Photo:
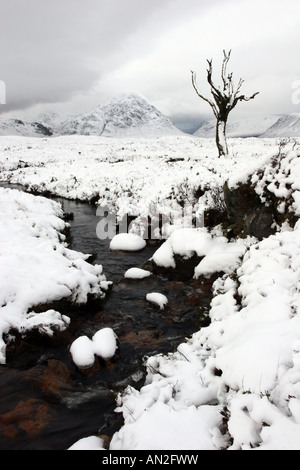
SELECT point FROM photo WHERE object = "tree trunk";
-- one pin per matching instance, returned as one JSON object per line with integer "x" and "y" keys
{"x": 221, "y": 137}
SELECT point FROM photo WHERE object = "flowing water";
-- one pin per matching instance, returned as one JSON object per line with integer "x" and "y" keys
{"x": 46, "y": 402}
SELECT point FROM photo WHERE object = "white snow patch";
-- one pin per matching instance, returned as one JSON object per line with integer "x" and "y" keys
{"x": 127, "y": 242}
{"x": 158, "y": 299}
{"x": 136, "y": 273}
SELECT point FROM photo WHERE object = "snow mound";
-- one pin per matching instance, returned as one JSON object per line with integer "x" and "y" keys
{"x": 127, "y": 242}
{"x": 158, "y": 299}
{"x": 105, "y": 343}
{"x": 102, "y": 344}
{"x": 218, "y": 254}
{"x": 136, "y": 273}
{"x": 37, "y": 268}
{"x": 82, "y": 352}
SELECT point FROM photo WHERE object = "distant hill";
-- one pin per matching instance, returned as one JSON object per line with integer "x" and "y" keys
{"x": 22, "y": 128}
{"x": 253, "y": 127}
{"x": 287, "y": 126}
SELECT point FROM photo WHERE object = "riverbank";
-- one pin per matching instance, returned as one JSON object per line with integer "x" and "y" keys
{"x": 39, "y": 378}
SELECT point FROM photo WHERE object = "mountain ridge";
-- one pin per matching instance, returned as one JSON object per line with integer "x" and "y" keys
{"x": 132, "y": 116}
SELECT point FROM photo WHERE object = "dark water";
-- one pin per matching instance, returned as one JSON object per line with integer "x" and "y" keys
{"x": 46, "y": 403}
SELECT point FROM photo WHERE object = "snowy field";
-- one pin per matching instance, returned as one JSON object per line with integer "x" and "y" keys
{"x": 130, "y": 176}
{"x": 234, "y": 384}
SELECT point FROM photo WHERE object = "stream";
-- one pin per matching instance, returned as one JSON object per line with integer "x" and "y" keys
{"x": 46, "y": 402}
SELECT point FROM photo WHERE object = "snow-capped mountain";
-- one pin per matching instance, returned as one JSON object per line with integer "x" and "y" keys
{"x": 253, "y": 127}
{"x": 128, "y": 116}
{"x": 22, "y": 128}
{"x": 287, "y": 126}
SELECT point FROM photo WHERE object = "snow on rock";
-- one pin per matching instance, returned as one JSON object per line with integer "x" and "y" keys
{"x": 82, "y": 352}
{"x": 37, "y": 268}
{"x": 45, "y": 322}
{"x": 102, "y": 344}
{"x": 217, "y": 253}
{"x": 105, "y": 343}
{"x": 127, "y": 242}
{"x": 158, "y": 299}
{"x": 136, "y": 273}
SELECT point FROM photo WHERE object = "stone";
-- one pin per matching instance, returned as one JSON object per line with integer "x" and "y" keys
{"x": 246, "y": 214}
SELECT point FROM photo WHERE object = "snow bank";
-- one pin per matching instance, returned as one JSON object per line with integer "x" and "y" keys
{"x": 102, "y": 344}
{"x": 242, "y": 371}
{"x": 218, "y": 254}
{"x": 175, "y": 429}
{"x": 37, "y": 268}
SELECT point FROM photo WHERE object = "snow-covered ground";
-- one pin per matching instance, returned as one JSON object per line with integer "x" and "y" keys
{"x": 143, "y": 177}
{"x": 37, "y": 268}
{"x": 236, "y": 383}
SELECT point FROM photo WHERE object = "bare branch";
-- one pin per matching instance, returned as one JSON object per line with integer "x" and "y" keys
{"x": 215, "y": 90}
{"x": 213, "y": 106}
{"x": 224, "y": 68}
{"x": 241, "y": 81}
{"x": 243, "y": 98}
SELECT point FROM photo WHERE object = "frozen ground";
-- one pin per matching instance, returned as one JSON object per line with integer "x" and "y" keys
{"x": 132, "y": 176}
{"x": 236, "y": 383}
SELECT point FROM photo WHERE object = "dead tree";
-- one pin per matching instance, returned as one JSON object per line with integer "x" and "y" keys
{"x": 224, "y": 100}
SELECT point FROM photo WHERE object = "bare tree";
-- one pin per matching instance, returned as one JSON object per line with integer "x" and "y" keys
{"x": 224, "y": 100}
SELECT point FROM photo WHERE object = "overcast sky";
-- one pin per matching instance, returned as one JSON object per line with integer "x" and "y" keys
{"x": 71, "y": 55}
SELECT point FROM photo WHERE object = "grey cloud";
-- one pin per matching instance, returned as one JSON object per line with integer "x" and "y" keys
{"x": 53, "y": 50}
